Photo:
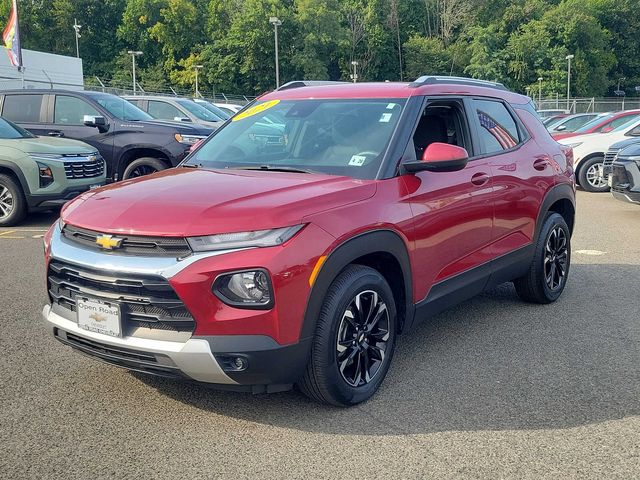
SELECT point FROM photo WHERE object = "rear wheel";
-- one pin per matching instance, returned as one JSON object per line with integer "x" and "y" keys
{"x": 354, "y": 340}
{"x": 547, "y": 275}
{"x": 589, "y": 176}
{"x": 143, "y": 166}
{"x": 13, "y": 206}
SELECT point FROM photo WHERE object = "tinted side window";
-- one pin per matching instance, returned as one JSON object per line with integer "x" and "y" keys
{"x": 498, "y": 130}
{"x": 163, "y": 110}
{"x": 71, "y": 110}
{"x": 613, "y": 124}
{"x": 22, "y": 108}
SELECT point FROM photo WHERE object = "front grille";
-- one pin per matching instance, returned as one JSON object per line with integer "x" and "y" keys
{"x": 145, "y": 301}
{"x": 119, "y": 356}
{"x": 132, "y": 244}
{"x": 83, "y": 167}
{"x": 610, "y": 156}
{"x": 620, "y": 180}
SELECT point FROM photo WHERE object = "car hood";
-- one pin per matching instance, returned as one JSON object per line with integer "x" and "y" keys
{"x": 192, "y": 202}
{"x": 625, "y": 143}
{"x": 57, "y": 146}
{"x": 174, "y": 126}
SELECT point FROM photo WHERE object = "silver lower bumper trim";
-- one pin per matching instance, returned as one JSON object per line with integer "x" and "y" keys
{"x": 193, "y": 357}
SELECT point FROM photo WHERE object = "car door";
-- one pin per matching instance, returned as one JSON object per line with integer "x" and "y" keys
{"x": 67, "y": 120}
{"x": 522, "y": 170}
{"x": 453, "y": 211}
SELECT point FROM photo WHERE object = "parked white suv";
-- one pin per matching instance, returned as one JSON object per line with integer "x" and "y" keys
{"x": 589, "y": 151}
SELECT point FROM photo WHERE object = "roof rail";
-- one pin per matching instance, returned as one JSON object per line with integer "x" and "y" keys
{"x": 434, "y": 80}
{"x": 306, "y": 83}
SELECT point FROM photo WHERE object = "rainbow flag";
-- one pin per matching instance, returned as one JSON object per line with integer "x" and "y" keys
{"x": 11, "y": 37}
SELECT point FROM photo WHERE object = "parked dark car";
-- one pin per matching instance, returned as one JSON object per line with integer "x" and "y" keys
{"x": 612, "y": 153}
{"x": 625, "y": 174}
{"x": 130, "y": 141}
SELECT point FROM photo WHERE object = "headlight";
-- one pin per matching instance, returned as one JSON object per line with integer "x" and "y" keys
{"x": 257, "y": 238}
{"x": 188, "y": 139}
{"x": 245, "y": 289}
{"x": 45, "y": 175}
{"x": 574, "y": 145}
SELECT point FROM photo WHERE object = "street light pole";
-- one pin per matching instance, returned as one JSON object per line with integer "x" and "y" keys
{"x": 77, "y": 28}
{"x": 568, "y": 58}
{"x": 620, "y": 92}
{"x": 276, "y": 22}
{"x": 197, "y": 67}
{"x": 134, "y": 54}
{"x": 354, "y": 76}
{"x": 539, "y": 92}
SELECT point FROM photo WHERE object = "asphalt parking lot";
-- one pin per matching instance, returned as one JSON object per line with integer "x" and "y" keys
{"x": 494, "y": 388}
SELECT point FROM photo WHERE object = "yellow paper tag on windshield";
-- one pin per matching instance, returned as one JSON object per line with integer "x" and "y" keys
{"x": 261, "y": 107}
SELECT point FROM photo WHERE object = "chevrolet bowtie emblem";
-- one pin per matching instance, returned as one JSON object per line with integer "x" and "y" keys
{"x": 109, "y": 242}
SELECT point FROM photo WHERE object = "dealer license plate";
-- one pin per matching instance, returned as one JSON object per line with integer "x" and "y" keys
{"x": 99, "y": 317}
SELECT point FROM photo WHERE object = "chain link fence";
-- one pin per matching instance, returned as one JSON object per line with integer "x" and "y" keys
{"x": 589, "y": 105}
{"x": 116, "y": 88}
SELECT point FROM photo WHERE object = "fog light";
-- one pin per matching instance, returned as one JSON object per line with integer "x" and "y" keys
{"x": 245, "y": 289}
{"x": 232, "y": 363}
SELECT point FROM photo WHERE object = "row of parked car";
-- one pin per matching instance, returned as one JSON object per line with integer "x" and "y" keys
{"x": 606, "y": 149}
{"x": 56, "y": 144}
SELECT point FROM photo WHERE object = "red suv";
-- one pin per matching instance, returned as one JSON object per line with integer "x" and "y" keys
{"x": 297, "y": 242}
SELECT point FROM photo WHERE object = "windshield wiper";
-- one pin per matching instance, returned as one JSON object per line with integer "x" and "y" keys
{"x": 272, "y": 168}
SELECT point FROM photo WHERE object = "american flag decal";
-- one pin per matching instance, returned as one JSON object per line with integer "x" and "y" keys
{"x": 503, "y": 137}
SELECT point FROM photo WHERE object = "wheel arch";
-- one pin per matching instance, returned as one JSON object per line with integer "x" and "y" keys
{"x": 559, "y": 199}
{"x": 11, "y": 169}
{"x": 383, "y": 250}
{"x": 139, "y": 152}
{"x": 584, "y": 160}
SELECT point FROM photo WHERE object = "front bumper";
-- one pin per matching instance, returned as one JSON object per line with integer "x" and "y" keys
{"x": 624, "y": 181}
{"x": 269, "y": 367}
{"x": 53, "y": 200}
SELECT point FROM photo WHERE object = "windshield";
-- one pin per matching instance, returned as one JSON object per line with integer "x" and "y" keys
{"x": 199, "y": 111}
{"x": 594, "y": 123}
{"x": 10, "y": 131}
{"x": 121, "y": 109}
{"x": 215, "y": 110}
{"x": 336, "y": 137}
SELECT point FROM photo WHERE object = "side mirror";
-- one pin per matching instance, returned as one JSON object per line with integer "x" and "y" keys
{"x": 607, "y": 129}
{"x": 96, "y": 121}
{"x": 439, "y": 157}
{"x": 560, "y": 128}
{"x": 182, "y": 119}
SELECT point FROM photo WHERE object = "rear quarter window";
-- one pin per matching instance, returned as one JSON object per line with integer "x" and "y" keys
{"x": 22, "y": 108}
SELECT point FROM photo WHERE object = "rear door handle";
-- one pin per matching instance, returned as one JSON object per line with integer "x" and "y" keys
{"x": 479, "y": 179}
{"x": 55, "y": 133}
{"x": 541, "y": 163}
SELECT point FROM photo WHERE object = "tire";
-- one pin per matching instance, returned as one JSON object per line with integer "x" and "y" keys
{"x": 588, "y": 178}
{"x": 143, "y": 166}
{"x": 535, "y": 287}
{"x": 13, "y": 206}
{"x": 337, "y": 341}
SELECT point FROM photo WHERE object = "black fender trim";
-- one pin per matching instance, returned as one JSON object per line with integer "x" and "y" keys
{"x": 563, "y": 191}
{"x": 18, "y": 173}
{"x": 385, "y": 241}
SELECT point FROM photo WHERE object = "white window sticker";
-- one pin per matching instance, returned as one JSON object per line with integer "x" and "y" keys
{"x": 385, "y": 118}
{"x": 357, "y": 160}
{"x": 391, "y": 106}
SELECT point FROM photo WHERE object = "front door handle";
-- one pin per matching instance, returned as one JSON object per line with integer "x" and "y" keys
{"x": 541, "y": 163}
{"x": 479, "y": 179}
{"x": 55, "y": 133}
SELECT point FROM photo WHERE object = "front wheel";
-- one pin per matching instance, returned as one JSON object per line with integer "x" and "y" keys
{"x": 354, "y": 340}
{"x": 549, "y": 270}
{"x": 143, "y": 166}
{"x": 589, "y": 176}
{"x": 13, "y": 207}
